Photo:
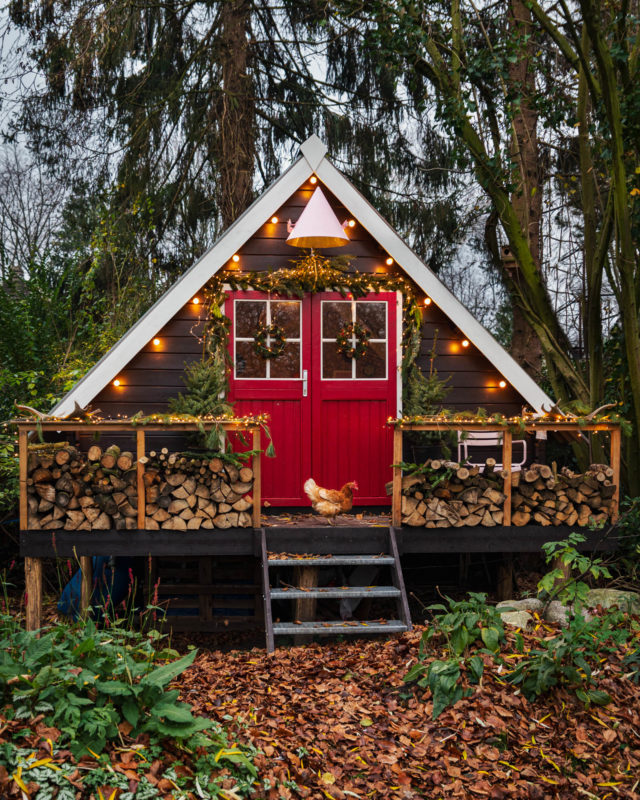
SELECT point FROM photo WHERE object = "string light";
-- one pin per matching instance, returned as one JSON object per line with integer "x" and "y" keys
{"x": 427, "y": 301}
{"x": 313, "y": 179}
{"x": 235, "y": 258}
{"x": 389, "y": 261}
{"x": 465, "y": 343}
{"x": 502, "y": 384}
{"x": 156, "y": 342}
{"x": 352, "y": 223}
{"x": 116, "y": 382}
{"x": 274, "y": 220}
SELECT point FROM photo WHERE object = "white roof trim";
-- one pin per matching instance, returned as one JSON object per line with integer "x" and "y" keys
{"x": 313, "y": 160}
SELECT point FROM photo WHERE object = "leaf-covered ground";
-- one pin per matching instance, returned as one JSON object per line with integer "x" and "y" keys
{"x": 332, "y": 721}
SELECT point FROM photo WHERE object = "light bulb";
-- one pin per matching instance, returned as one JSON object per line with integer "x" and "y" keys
{"x": 235, "y": 258}
{"x": 313, "y": 179}
{"x": 465, "y": 343}
{"x": 352, "y": 223}
{"x": 389, "y": 261}
{"x": 116, "y": 382}
{"x": 502, "y": 384}
{"x": 274, "y": 220}
{"x": 195, "y": 301}
{"x": 427, "y": 301}
{"x": 156, "y": 342}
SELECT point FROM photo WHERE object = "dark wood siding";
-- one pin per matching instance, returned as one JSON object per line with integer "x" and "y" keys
{"x": 472, "y": 379}
{"x": 155, "y": 375}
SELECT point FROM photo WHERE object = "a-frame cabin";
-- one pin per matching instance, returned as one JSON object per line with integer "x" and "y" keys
{"x": 328, "y": 412}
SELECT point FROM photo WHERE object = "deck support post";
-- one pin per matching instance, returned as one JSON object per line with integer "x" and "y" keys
{"x": 615, "y": 465}
{"x": 305, "y": 608}
{"x": 255, "y": 465}
{"x": 396, "y": 498}
{"x": 33, "y": 592}
{"x": 142, "y": 499}
{"x": 86, "y": 586}
{"x": 504, "y": 589}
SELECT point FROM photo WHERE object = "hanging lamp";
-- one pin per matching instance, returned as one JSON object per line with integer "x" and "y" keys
{"x": 317, "y": 226}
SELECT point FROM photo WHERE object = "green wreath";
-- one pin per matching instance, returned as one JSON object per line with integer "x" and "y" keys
{"x": 345, "y": 337}
{"x": 278, "y": 340}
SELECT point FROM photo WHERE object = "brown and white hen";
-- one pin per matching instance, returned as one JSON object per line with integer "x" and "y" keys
{"x": 330, "y": 502}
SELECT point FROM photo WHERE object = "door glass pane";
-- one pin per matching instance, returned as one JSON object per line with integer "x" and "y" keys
{"x": 287, "y": 364}
{"x": 334, "y": 364}
{"x": 335, "y": 315}
{"x": 248, "y": 363}
{"x": 374, "y": 317}
{"x": 373, "y": 362}
{"x": 286, "y": 314}
{"x": 249, "y": 314}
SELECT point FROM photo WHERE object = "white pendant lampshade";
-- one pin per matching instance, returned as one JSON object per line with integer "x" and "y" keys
{"x": 317, "y": 226}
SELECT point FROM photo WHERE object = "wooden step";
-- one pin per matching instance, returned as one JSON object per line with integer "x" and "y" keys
{"x": 335, "y": 592}
{"x": 332, "y": 627}
{"x": 331, "y": 561}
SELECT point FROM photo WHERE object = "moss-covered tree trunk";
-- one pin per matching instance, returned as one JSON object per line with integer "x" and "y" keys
{"x": 527, "y": 179}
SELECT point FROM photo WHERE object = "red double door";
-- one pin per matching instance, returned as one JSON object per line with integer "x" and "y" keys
{"x": 328, "y": 411}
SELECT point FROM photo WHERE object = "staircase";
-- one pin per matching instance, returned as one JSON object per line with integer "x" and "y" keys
{"x": 331, "y": 627}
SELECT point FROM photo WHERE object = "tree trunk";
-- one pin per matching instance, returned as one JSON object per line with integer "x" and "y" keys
{"x": 527, "y": 196}
{"x": 237, "y": 123}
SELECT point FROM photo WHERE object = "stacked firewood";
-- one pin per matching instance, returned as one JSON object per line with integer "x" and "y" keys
{"x": 70, "y": 490}
{"x": 188, "y": 493}
{"x": 541, "y": 495}
{"x": 449, "y": 494}
{"x": 73, "y": 491}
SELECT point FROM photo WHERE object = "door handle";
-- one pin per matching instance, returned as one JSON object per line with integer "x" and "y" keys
{"x": 305, "y": 382}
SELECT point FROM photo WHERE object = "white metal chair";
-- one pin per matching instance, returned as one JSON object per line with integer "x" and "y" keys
{"x": 487, "y": 439}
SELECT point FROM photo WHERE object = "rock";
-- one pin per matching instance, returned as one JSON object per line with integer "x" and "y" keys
{"x": 558, "y": 613}
{"x": 517, "y": 619}
{"x": 608, "y": 598}
{"x": 528, "y": 604}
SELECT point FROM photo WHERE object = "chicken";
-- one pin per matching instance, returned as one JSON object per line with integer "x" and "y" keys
{"x": 330, "y": 502}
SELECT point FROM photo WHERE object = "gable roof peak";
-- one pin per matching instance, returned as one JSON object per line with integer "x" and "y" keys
{"x": 313, "y": 150}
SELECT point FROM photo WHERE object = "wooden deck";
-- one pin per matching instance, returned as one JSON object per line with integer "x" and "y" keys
{"x": 319, "y": 540}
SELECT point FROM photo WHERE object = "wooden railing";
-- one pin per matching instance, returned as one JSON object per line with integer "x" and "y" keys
{"x": 440, "y": 425}
{"x": 33, "y": 566}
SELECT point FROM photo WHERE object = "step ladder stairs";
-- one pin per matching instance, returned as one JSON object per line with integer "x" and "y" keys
{"x": 329, "y": 627}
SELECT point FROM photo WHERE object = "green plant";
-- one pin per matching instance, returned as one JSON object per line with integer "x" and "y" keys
{"x": 206, "y": 384}
{"x": 86, "y": 681}
{"x": 570, "y": 588}
{"x": 434, "y": 477}
{"x": 462, "y": 623}
{"x": 568, "y": 659}
{"x": 467, "y": 622}
{"x": 8, "y": 470}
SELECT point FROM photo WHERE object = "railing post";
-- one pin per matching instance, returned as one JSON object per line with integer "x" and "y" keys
{"x": 142, "y": 495}
{"x": 23, "y": 456}
{"x": 396, "y": 497}
{"x": 256, "y": 464}
{"x": 507, "y": 443}
{"x": 615, "y": 465}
